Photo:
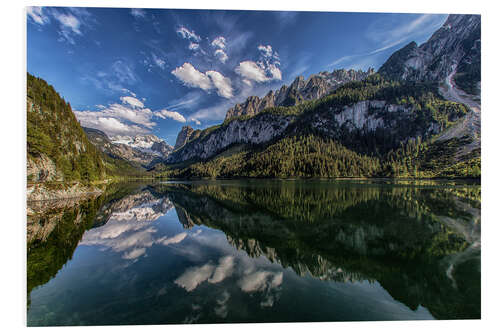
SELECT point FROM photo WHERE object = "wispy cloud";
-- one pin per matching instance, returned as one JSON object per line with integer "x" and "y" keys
{"x": 138, "y": 13}
{"x": 390, "y": 33}
{"x": 170, "y": 114}
{"x": 37, "y": 15}
{"x": 188, "y": 34}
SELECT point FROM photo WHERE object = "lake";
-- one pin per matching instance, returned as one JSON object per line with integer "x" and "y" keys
{"x": 257, "y": 251}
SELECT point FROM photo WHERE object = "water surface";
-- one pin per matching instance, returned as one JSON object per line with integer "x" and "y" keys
{"x": 257, "y": 251}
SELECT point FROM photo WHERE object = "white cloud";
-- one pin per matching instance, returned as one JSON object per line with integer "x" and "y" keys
{"x": 138, "y": 13}
{"x": 171, "y": 114}
{"x": 132, "y": 101}
{"x": 275, "y": 72}
{"x": 188, "y": 34}
{"x": 221, "y": 55}
{"x": 123, "y": 72}
{"x": 128, "y": 118}
{"x": 158, "y": 61}
{"x": 190, "y": 76}
{"x": 37, "y": 15}
{"x": 267, "y": 51}
{"x": 223, "y": 84}
{"x": 193, "y": 46}
{"x": 196, "y": 121}
{"x": 219, "y": 42}
{"x": 250, "y": 70}
{"x": 110, "y": 126}
{"x": 68, "y": 21}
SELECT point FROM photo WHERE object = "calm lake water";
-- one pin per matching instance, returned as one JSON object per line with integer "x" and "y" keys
{"x": 257, "y": 251}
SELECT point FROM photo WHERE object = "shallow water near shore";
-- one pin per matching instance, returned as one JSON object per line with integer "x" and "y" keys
{"x": 235, "y": 251}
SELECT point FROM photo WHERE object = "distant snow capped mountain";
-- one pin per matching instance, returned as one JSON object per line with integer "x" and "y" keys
{"x": 144, "y": 150}
{"x": 144, "y": 143}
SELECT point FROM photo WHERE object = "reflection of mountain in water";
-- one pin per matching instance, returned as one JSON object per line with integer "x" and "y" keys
{"x": 422, "y": 244}
{"x": 55, "y": 228}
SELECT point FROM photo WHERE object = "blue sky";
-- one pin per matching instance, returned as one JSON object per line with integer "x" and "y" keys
{"x": 134, "y": 71}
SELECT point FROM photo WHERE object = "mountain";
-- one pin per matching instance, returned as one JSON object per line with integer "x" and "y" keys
{"x": 455, "y": 47}
{"x": 300, "y": 90}
{"x": 57, "y": 147}
{"x": 410, "y": 119}
{"x": 142, "y": 151}
{"x": 183, "y": 136}
{"x": 147, "y": 143}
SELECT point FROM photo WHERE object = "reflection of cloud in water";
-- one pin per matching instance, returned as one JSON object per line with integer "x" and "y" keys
{"x": 224, "y": 269}
{"x": 260, "y": 281}
{"x": 265, "y": 282}
{"x": 134, "y": 254}
{"x": 172, "y": 240}
{"x": 194, "y": 276}
{"x": 129, "y": 236}
{"x": 221, "y": 308}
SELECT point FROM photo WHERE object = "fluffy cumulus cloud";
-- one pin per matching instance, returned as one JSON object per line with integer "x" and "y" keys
{"x": 188, "y": 34}
{"x": 219, "y": 42}
{"x": 221, "y": 55}
{"x": 275, "y": 72}
{"x": 221, "y": 83}
{"x": 130, "y": 117}
{"x": 170, "y": 114}
{"x": 192, "y": 77}
{"x": 266, "y": 69}
{"x": 251, "y": 71}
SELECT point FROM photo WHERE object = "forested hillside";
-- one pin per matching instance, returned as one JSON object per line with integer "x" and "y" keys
{"x": 57, "y": 147}
{"x": 342, "y": 135}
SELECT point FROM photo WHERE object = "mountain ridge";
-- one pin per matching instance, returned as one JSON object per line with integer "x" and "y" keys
{"x": 405, "y": 94}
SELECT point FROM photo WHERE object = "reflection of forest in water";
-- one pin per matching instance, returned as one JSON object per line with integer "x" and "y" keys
{"x": 421, "y": 243}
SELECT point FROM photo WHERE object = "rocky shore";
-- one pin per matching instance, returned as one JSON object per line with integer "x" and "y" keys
{"x": 58, "y": 191}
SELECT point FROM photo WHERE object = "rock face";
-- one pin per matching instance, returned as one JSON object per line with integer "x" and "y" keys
{"x": 454, "y": 47}
{"x": 457, "y": 44}
{"x": 316, "y": 86}
{"x": 251, "y": 131}
{"x": 183, "y": 136}
{"x": 365, "y": 115}
{"x": 141, "y": 150}
{"x": 41, "y": 192}
{"x": 41, "y": 168}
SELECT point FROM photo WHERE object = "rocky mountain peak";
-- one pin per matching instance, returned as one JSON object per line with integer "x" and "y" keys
{"x": 316, "y": 86}
{"x": 454, "y": 46}
{"x": 183, "y": 136}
